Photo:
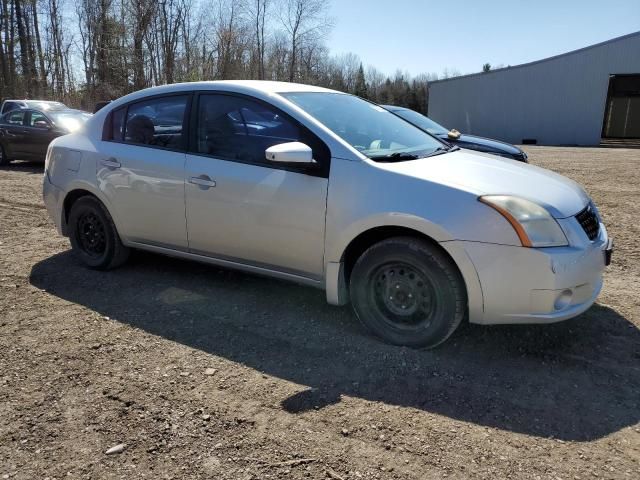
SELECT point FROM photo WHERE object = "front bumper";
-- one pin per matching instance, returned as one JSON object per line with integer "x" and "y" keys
{"x": 538, "y": 285}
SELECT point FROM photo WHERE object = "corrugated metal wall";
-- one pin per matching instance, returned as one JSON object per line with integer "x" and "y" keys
{"x": 558, "y": 101}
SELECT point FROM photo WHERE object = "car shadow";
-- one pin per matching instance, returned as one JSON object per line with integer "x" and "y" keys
{"x": 24, "y": 166}
{"x": 578, "y": 380}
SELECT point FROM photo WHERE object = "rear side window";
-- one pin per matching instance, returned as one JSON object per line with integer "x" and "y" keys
{"x": 157, "y": 122}
{"x": 113, "y": 125}
{"x": 117, "y": 123}
{"x": 241, "y": 129}
{"x": 15, "y": 118}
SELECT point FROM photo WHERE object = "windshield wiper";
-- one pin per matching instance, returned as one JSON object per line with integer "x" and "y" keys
{"x": 440, "y": 151}
{"x": 399, "y": 156}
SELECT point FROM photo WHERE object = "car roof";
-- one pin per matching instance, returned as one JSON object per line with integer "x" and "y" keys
{"x": 247, "y": 86}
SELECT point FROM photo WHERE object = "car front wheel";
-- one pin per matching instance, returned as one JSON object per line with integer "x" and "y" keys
{"x": 93, "y": 235}
{"x": 408, "y": 292}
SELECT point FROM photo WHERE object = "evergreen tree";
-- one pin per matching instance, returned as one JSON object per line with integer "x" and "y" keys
{"x": 361, "y": 89}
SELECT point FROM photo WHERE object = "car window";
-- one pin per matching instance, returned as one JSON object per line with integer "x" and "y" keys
{"x": 37, "y": 117}
{"x": 156, "y": 122}
{"x": 15, "y": 118}
{"x": 114, "y": 125}
{"x": 367, "y": 127}
{"x": 421, "y": 121}
{"x": 241, "y": 129}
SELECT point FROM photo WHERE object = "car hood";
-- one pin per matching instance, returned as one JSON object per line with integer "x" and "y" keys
{"x": 485, "y": 174}
{"x": 486, "y": 144}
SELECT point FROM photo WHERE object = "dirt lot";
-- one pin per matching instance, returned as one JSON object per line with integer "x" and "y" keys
{"x": 208, "y": 373}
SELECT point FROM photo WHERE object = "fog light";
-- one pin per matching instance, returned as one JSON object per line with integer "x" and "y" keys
{"x": 563, "y": 300}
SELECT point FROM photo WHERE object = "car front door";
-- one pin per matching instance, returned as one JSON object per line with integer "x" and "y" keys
{"x": 240, "y": 207}
{"x": 14, "y": 134}
{"x": 39, "y": 132}
{"x": 140, "y": 170}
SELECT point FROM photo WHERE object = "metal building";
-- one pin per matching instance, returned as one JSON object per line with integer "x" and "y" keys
{"x": 577, "y": 98}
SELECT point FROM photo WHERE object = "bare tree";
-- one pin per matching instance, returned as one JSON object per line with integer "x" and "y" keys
{"x": 305, "y": 21}
{"x": 257, "y": 17}
{"x": 142, "y": 12}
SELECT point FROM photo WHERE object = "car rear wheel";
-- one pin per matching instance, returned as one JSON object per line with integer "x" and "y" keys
{"x": 408, "y": 292}
{"x": 93, "y": 235}
{"x": 4, "y": 160}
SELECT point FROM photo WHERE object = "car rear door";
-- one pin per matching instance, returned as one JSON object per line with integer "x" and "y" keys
{"x": 140, "y": 170}
{"x": 240, "y": 207}
{"x": 14, "y": 134}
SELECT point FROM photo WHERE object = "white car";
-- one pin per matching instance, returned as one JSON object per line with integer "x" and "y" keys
{"x": 326, "y": 189}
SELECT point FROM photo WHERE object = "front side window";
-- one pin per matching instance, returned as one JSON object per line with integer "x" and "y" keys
{"x": 241, "y": 129}
{"x": 38, "y": 120}
{"x": 374, "y": 131}
{"x": 156, "y": 122}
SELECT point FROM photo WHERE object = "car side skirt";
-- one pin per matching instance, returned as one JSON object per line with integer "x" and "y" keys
{"x": 259, "y": 270}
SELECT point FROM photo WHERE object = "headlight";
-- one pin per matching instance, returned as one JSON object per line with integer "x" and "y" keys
{"x": 534, "y": 225}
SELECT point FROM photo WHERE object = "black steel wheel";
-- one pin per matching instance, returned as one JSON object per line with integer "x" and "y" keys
{"x": 408, "y": 292}
{"x": 93, "y": 235}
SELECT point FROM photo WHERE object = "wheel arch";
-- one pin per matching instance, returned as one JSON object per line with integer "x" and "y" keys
{"x": 77, "y": 191}
{"x": 370, "y": 237}
{"x": 338, "y": 273}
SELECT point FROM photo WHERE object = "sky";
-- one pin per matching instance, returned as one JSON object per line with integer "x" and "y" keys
{"x": 428, "y": 36}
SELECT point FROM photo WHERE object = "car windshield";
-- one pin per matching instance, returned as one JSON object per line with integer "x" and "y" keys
{"x": 421, "y": 121}
{"x": 70, "y": 120}
{"x": 371, "y": 129}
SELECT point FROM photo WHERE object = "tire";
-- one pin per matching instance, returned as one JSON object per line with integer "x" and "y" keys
{"x": 408, "y": 292}
{"x": 93, "y": 235}
{"x": 4, "y": 160}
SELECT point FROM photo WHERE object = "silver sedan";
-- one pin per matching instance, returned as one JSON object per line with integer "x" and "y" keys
{"x": 329, "y": 190}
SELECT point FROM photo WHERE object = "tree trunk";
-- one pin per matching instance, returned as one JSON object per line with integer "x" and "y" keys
{"x": 43, "y": 72}
{"x": 24, "y": 49}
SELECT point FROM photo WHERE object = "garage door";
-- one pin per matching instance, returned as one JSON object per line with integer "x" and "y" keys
{"x": 622, "y": 117}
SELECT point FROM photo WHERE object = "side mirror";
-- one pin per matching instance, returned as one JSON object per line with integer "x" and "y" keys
{"x": 41, "y": 124}
{"x": 291, "y": 152}
{"x": 453, "y": 134}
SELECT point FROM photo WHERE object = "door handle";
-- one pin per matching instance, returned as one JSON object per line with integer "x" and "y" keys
{"x": 203, "y": 181}
{"x": 111, "y": 163}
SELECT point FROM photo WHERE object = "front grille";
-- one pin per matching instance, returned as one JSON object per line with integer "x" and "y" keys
{"x": 588, "y": 220}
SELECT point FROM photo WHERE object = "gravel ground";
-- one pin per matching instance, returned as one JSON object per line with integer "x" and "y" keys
{"x": 214, "y": 374}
